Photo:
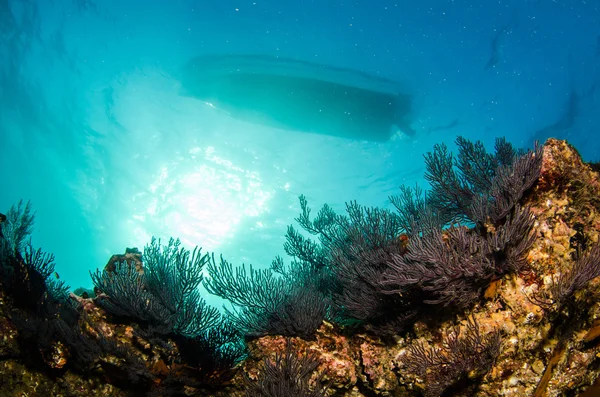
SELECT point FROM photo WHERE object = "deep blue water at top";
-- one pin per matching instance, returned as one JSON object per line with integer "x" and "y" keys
{"x": 95, "y": 132}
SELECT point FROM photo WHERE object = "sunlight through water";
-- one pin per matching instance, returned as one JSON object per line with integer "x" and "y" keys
{"x": 200, "y": 196}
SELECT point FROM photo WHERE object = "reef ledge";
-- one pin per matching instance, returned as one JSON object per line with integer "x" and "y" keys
{"x": 550, "y": 346}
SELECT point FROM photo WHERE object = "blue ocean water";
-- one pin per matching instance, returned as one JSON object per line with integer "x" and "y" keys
{"x": 95, "y": 131}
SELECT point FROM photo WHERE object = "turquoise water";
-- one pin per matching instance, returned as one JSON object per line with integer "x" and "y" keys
{"x": 95, "y": 128}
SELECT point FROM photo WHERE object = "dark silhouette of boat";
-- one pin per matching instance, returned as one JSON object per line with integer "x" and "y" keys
{"x": 300, "y": 96}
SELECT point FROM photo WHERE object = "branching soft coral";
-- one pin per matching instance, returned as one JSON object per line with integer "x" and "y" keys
{"x": 165, "y": 294}
{"x": 460, "y": 354}
{"x": 288, "y": 375}
{"x": 478, "y": 186}
{"x": 349, "y": 260}
{"x": 164, "y": 298}
{"x": 380, "y": 266}
{"x": 39, "y": 304}
{"x": 266, "y": 302}
{"x": 574, "y": 277}
{"x": 453, "y": 266}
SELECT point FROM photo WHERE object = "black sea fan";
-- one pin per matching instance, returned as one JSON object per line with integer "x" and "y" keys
{"x": 452, "y": 266}
{"x": 288, "y": 375}
{"x": 350, "y": 258}
{"x": 165, "y": 296}
{"x": 164, "y": 299}
{"x": 477, "y": 185}
{"x": 572, "y": 278}
{"x": 267, "y": 302}
{"x": 451, "y": 365}
{"x": 442, "y": 247}
{"x": 38, "y": 303}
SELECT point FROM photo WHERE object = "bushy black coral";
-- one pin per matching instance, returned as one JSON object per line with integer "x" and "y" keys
{"x": 377, "y": 267}
{"x": 478, "y": 186}
{"x": 574, "y": 277}
{"x": 350, "y": 258}
{"x": 288, "y": 375}
{"x": 452, "y": 364}
{"x": 165, "y": 295}
{"x": 451, "y": 267}
{"x": 164, "y": 298}
{"x": 266, "y": 302}
{"x": 17, "y": 225}
{"x": 39, "y": 304}
{"x": 374, "y": 268}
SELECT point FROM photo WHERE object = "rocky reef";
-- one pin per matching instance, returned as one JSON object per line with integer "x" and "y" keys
{"x": 528, "y": 324}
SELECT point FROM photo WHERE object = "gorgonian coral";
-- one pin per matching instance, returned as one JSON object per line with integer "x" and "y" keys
{"x": 164, "y": 297}
{"x": 479, "y": 185}
{"x": 165, "y": 294}
{"x": 574, "y": 276}
{"x": 379, "y": 266}
{"x": 287, "y": 375}
{"x": 267, "y": 302}
{"x": 451, "y": 267}
{"x": 468, "y": 354}
{"x": 38, "y": 302}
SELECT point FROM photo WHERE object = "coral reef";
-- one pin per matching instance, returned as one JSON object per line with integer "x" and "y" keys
{"x": 487, "y": 284}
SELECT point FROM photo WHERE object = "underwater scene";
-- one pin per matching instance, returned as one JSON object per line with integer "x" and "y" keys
{"x": 299, "y": 198}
